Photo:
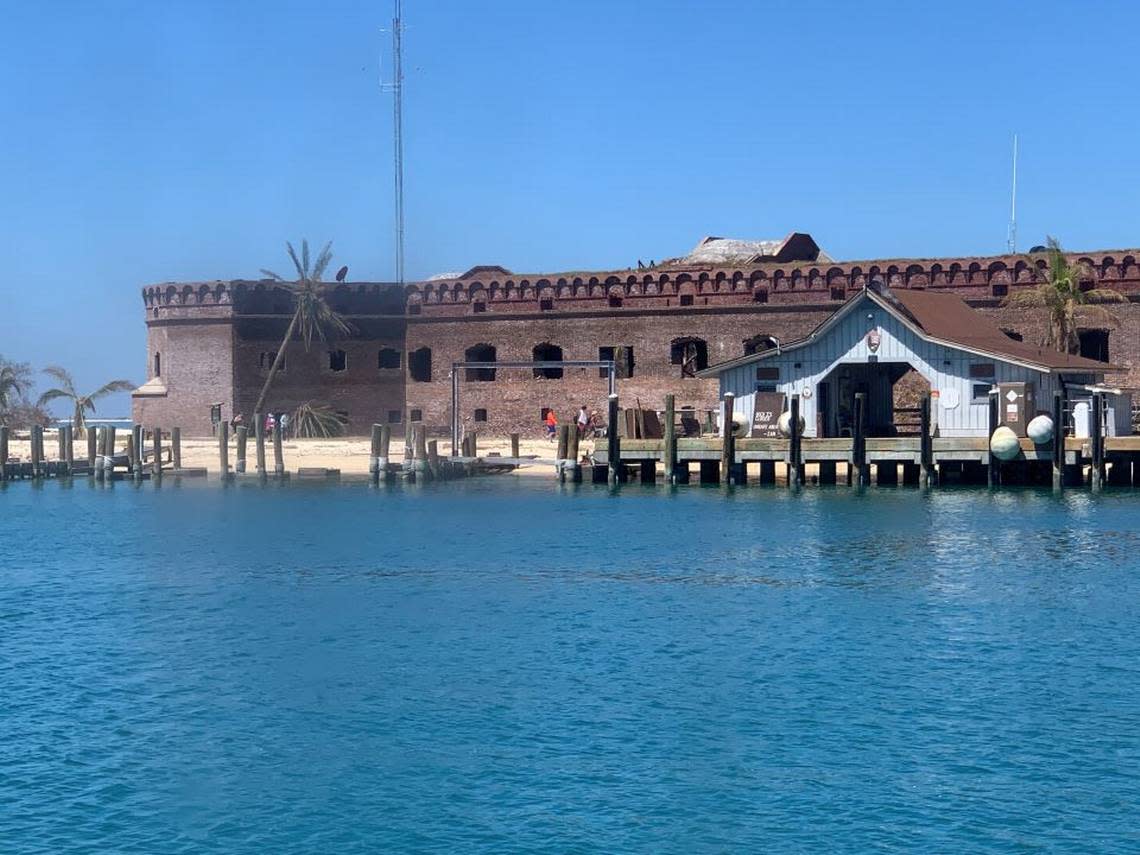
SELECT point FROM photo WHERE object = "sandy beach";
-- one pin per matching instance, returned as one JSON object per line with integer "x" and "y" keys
{"x": 348, "y": 454}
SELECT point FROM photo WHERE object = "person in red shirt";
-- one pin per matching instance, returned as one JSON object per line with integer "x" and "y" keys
{"x": 551, "y": 424}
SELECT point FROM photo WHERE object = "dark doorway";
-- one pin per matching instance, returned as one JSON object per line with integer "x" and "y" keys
{"x": 1094, "y": 344}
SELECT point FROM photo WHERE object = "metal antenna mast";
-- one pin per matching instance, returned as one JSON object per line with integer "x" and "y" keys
{"x": 1011, "y": 237}
{"x": 398, "y": 135}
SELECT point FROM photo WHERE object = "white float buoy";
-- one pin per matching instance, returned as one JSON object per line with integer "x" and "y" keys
{"x": 784, "y": 423}
{"x": 1040, "y": 429}
{"x": 739, "y": 426}
{"x": 1004, "y": 444}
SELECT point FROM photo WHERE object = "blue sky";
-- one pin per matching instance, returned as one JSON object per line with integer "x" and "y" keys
{"x": 155, "y": 141}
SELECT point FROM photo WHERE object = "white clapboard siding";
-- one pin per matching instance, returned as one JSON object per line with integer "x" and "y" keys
{"x": 944, "y": 367}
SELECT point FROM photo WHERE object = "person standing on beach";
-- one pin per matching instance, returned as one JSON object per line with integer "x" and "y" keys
{"x": 284, "y": 422}
{"x": 551, "y": 425}
{"x": 583, "y": 421}
{"x": 270, "y": 423}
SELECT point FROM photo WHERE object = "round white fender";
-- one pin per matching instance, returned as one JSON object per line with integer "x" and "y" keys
{"x": 1040, "y": 429}
{"x": 1004, "y": 444}
{"x": 784, "y": 423}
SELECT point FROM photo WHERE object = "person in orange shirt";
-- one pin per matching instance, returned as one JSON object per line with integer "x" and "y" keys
{"x": 551, "y": 424}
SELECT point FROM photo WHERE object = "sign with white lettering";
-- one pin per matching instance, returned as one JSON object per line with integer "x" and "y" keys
{"x": 769, "y": 405}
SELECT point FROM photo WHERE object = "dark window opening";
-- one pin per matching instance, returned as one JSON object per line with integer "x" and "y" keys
{"x": 760, "y": 295}
{"x": 265, "y": 361}
{"x": 338, "y": 360}
{"x": 394, "y": 417}
{"x": 542, "y": 414}
{"x": 1093, "y": 344}
{"x": 837, "y": 293}
{"x": 768, "y": 372}
{"x": 981, "y": 393}
{"x": 157, "y": 364}
{"x": 388, "y": 358}
{"x": 999, "y": 289}
{"x": 415, "y": 415}
{"x": 686, "y": 300}
{"x": 419, "y": 365}
{"x": 478, "y": 307}
{"x": 480, "y": 415}
{"x": 622, "y": 357}
{"x": 480, "y": 353}
{"x": 758, "y": 343}
{"x": 692, "y": 354}
{"x": 982, "y": 369}
{"x": 1014, "y": 334}
{"x": 547, "y": 352}
{"x": 615, "y": 301}
{"x": 413, "y": 308}
{"x": 546, "y": 305}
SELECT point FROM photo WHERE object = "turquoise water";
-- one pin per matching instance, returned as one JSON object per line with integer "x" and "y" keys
{"x": 516, "y": 667}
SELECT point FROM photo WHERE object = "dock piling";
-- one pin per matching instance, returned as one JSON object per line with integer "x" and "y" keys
{"x": 374, "y": 457}
{"x": 433, "y": 459}
{"x": 1096, "y": 476}
{"x": 1058, "y": 441}
{"x": 670, "y": 440}
{"x": 795, "y": 454}
{"x": 176, "y": 447}
{"x": 728, "y": 443}
{"x": 92, "y": 449}
{"x": 99, "y": 467}
{"x": 926, "y": 444}
{"x": 992, "y": 464}
{"x": 572, "y": 455}
{"x": 4, "y": 452}
{"x": 156, "y": 462}
{"x": 515, "y": 446}
{"x": 560, "y": 464}
{"x": 859, "y": 442}
{"x": 278, "y": 454}
{"x": 382, "y": 456}
{"x": 68, "y": 449}
{"x": 224, "y": 449}
{"x": 37, "y": 451}
{"x": 242, "y": 439}
{"x": 259, "y": 445}
{"x": 613, "y": 442}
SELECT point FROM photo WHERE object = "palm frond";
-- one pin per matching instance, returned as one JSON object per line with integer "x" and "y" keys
{"x": 301, "y": 272}
{"x": 305, "y": 256}
{"x": 276, "y": 277}
{"x": 54, "y": 394}
{"x": 317, "y": 420}
{"x": 1030, "y": 298}
{"x": 63, "y": 376}
{"x": 1104, "y": 295}
{"x": 113, "y": 386}
{"x": 323, "y": 260}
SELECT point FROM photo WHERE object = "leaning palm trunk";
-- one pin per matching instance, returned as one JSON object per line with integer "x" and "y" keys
{"x": 276, "y": 364}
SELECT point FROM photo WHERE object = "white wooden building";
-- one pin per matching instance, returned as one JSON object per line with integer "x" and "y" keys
{"x": 875, "y": 338}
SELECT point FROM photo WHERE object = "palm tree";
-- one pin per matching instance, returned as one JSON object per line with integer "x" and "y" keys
{"x": 83, "y": 403}
{"x": 12, "y": 384}
{"x": 312, "y": 315}
{"x": 1061, "y": 295}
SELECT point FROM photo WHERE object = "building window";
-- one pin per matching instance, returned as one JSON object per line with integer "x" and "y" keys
{"x": 767, "y": 372}
{"x": 1093, "y": 344}
{"x": 999, "y": 289}
{"x": 686, "y": 300}
{"x": 419, "y": 365}
{"x": 394, "y": 417}
{"x": 1013, "y": 334}
{"x": 546, "y": 305}
{"x": 547, "y": 352}
{"x": 413, "y": 308}
{"x": 981, "y": 393}
{"x": 415, "y": 415}
{"x": 480, "y": 353}
{"x": 837, "y": 294}
{"x": 982, "y": 370}
{"x": 388, "y": 358}
{"x": 157, "y": 364}
{"x": 692, "y": 354}
{"x": 542, "y": 414}
{"x": 758, "y": 343}
{"x": 760, "y": 295}
{"x": 478, "y": 307}
{"x": 338, "y": 361}
{"x": 615, "y": 301}
{"x": 265, "y": 361}
{"x": 622, "y": 357}
{"x": 480, "y": 415}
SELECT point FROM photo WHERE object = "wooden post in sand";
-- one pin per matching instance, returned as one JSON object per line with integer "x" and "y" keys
{"x": 224, "y": 449}
{"x": 515, "y": 446}
{"x": 374, "y": 457}
{"x": 137, "y": 442}
{"x": 259, "y": 443}
{"x": 100, "y": 435}
{"x": 156, "y": 463}
{"x": 572, "y": 456}
{"x": 68, "y": 449}
{"x": 61, "y": 436}
{"x": 109, "y": 454}
{"x": 37, "y": 450}
{"x": 278, "y": 454}
{"x": 4, "y": 452}
{"x": 560, "y": 455}
{"x": 433, "y": 459}
{"x": 131, "y": 464}
{"x": 92, "y": 449}
{"x": 670, "y": 439}
{"x": 385, "y": 444}
{"x": 176, "y": 447}
{"x": 419, "y": 452}
{"x": 242, "y": 438}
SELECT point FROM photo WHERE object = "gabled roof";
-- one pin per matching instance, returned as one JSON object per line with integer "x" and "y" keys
{"x": 942, "y": 319}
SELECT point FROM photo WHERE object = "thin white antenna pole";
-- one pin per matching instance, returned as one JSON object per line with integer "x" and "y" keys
{"x": 1011, "y": 238}
{"x": 398, "y": 136}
